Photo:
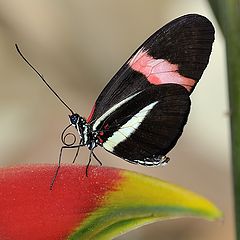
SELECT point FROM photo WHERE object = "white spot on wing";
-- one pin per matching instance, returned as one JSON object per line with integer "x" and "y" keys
{"x": 128, "y": 128}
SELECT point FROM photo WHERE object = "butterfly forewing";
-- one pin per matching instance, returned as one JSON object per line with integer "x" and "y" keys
{"x": 140, "y": 114}
{"x": 177, "y": 53}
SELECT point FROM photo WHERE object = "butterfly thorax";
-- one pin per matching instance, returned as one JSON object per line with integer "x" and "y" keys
{"x": 88, "y": 137}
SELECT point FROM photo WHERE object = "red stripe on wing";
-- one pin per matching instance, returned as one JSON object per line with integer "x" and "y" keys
{"x": 159, "y": 71}
{"x": 91, "y": 114}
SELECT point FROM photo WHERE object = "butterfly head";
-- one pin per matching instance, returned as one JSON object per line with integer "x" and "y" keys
{"x": 76, "y": 120}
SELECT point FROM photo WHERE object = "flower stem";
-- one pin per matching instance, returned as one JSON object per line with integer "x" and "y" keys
{"x": 228, "y": 16}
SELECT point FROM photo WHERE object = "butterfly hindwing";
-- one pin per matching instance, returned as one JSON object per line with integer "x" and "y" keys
{"x": 148, "y": 124}
{"x": 177, "y": 53}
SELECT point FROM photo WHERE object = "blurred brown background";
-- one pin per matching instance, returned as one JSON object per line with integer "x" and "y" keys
{"x": 78, "y": 46}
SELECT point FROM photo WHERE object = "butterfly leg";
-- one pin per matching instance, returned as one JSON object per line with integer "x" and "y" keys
{"x": 89, "y": 161}
{"x": 94, "y": 155}
{"x": 59, "y": 161}
{"x": 77, "y": 152}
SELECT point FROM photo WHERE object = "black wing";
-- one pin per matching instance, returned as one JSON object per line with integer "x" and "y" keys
{"x": 180, "y": 52}
{"x": 146, "y": 126}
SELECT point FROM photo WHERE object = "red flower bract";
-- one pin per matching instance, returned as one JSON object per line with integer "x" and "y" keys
{"x": 30, "y": 210}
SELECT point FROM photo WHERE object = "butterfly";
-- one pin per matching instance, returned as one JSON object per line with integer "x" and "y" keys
{"x": 140, "y": 114}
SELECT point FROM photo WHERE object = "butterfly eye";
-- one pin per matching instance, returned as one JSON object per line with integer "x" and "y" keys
{"x": 74, "y": 118}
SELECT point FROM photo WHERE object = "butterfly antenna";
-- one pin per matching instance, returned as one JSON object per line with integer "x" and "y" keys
{"x": 35, "y": 70}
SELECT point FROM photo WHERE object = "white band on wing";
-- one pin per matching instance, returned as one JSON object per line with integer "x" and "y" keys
{"x": 128, "y": 128}
{"x": 112, "y": 109}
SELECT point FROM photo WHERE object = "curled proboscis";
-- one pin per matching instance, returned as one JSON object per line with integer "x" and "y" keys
{"x": 65, "y": 135}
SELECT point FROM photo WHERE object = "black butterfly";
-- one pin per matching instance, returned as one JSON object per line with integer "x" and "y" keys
{"x": 140, "y": 114}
